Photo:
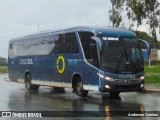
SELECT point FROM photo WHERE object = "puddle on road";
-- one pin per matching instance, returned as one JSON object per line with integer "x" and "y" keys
{"x": 47, "y": 100}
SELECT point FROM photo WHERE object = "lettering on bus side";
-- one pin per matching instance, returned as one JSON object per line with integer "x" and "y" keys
{"x": 25, "y": 61}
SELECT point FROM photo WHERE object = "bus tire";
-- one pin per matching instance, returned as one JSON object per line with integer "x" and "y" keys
{"x": 28, "y": 83}
{"x": 79, "y": 89}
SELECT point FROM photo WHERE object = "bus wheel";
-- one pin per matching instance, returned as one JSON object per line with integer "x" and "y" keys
{"x": 114, "y": 93}
{"x": 79, "y": 89}
{"x": 28, "y": 83}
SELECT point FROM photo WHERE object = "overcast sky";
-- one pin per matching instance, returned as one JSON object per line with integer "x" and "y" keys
{"x": 21, "y": 17}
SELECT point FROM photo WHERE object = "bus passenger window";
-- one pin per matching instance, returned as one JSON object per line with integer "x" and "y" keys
{"x": 89, "y": 48}
{"x": 85, "y": 37}
{"x": 56, "y": 48}
{"x": 93, "y": 54}
{"x": 70, "y": 45}
{"x": 59, "y": 44}
{"x": 67, "y": 44}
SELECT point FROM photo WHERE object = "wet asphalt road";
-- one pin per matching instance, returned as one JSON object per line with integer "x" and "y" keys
{"x": 14, "y": 97}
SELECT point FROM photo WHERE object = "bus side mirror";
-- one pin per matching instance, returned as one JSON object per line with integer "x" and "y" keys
{"x": 147, "y": 45}
{"x": 99, "y": 43}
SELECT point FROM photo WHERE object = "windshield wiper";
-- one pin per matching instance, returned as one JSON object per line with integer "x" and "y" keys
{"x": 126, "y": 56}
{"x": 120, "y": 61}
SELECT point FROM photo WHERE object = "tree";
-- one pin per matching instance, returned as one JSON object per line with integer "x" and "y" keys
{"x": 3, "y": 61}
{"x": 145, "y": 36}
{"x": 138, "y": 11}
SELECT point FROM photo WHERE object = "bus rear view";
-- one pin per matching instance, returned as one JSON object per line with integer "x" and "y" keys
{"x": 104, "y": 59}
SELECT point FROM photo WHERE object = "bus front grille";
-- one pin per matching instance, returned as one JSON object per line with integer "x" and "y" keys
{"x": 126, "y": 87}
{"x": 121, "y": 82}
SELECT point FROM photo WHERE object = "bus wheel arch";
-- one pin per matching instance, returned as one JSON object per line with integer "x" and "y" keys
{"x": 77, "y": 86}
{"x": 74, "y": 80}
{"x": 28, "y": 83}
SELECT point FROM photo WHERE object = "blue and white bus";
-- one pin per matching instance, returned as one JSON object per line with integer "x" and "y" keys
{"x": 104, "y": 59}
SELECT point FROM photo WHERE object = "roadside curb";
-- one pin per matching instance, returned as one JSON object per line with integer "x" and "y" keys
{"x": 151, "y": 91}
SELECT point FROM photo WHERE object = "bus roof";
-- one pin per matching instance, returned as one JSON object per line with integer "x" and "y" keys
{"x": 96, "y": 30}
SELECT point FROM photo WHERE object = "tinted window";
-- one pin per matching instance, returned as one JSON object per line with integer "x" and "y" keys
{"x": 122, "y": 55}
{"x": 59, "y": 44}
{"x": 70, "y": 45}
{"x": 85, "y": 38}
{"x": 66, "y": 44}
{"x": 43, "y": 46}
{"x": 19, "y": 48}
{"x": 32, "y": 46}
{"x": 89, "y": 48}
{"x": 52, "y": 44}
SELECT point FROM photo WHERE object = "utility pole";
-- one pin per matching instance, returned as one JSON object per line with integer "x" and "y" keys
{"x": 38, "y": 27}
{"x": 159, "y": 27}
{"x": 109, "y": 15}
{"x": 112, "y": 1}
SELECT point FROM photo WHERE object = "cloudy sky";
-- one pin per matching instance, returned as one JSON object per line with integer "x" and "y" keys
{"x": 21, "y": 17}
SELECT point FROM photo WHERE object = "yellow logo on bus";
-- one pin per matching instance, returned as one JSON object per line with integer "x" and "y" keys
{"x": 60, "y": 66}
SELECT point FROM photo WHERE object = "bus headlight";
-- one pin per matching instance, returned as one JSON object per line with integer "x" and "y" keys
{"x": 100, "y": 75}
{"x": 105, "y": 77}
{"x": 142, "y": 86}
{"x": 108, "y": 78}
{"x": 141, "y": 78}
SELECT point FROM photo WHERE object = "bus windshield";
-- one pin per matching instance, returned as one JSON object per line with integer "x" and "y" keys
{"x": 122, "y": 55}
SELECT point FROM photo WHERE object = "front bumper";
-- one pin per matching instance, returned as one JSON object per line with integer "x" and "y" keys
{"x": 121, "y": 85}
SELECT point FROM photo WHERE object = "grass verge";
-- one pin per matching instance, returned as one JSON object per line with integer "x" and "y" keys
{"x": 152, "y": 74}
{"x": 3, "y": 70}
{"x": 152, "y": 69}
{"x": 152, "y": 79}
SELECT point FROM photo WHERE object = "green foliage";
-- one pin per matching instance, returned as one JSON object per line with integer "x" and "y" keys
{"x": 152, "y": 74}
{"x": 3, "y": 69}
{"x": 3, "y": 61}
{"x": 139, "y": 11}
{"x": 145, "y": 36}
{"x": 152, "y": 79}
{"x": 155, "y": 69}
